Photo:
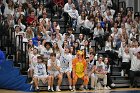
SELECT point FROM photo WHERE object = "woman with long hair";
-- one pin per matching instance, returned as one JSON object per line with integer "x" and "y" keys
{"x": 99, "y": 35}
{"x": 81, "y": 20}
{"x": 9, "y": 9}
{"x": 56, "y": 50}
{"x": 29, "y": 33}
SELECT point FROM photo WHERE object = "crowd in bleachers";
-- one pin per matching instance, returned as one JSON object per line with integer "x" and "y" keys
{"x": 64, "y": 53}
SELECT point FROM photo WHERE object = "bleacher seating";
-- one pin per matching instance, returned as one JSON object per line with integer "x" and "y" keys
{"x": 8, "y": 46}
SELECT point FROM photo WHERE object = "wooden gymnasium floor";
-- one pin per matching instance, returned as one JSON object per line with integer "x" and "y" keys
{"x": 118, "y": 90}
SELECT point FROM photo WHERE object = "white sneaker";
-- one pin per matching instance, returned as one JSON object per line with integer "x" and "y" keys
{"x": 57, "y": 89}
{"x": 70, "y": 87}
{"x": 32, "y": 82}
{"x": 112, "y": 85}
{"x": 73, "y": 89}
{"x": 52, "y": 89}
{"x": 105, "y": 88}
{"x": 108, "y": 87}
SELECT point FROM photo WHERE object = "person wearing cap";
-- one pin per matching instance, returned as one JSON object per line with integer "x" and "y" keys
{"x": 101, "y": 73}
{"x": 54, "y": 70}
{"x": 135, "y": 66}
{"x": 41, "y": 74}
{"x": 79, "y": 67}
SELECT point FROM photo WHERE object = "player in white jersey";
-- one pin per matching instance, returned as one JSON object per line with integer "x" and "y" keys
{"x": 54, "y": 70}
{"x": 41, "y": 74}
{"x": 33, "y": 61}
{"x": 66, "y": 63}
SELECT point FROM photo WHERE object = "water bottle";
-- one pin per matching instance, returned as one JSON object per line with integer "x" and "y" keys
{"x": 122, "y": 73}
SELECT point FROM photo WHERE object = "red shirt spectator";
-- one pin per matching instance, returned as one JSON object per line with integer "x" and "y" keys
{"x": 59, "y": 2}
{"x": 31, "y": 18}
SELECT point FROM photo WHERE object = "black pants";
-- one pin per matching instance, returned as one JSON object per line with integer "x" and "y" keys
{"x": 84, "y": 30}
{"x": 112, "y": 55}
{"x": 126, "y": 66}
{"x": 132, "y": 76}
{"x": 66, "y": 17}
{"x": 50, "y": 5}
{"x": 109, "y": 80}
{"x": 100, "y": 40}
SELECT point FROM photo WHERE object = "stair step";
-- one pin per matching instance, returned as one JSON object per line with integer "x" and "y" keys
{"x": 117, "y": 69}
{"x": 121, "y": 81}
{"x": 121, "y": 85}
{"x": 119, "y": 77}
{"x": 116, "y": 73}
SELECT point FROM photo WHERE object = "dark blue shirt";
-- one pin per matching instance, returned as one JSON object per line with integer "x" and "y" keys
{"x": 35, "y": 41}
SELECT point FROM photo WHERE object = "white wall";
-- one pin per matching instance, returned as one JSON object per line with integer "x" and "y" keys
{"x": 138, "y": 5}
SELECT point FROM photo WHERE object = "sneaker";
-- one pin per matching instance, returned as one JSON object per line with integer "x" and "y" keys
{"x": 70, "y": 88}
{"x": 105, "y": 88}
{"x": 55, "y": 15}
{"x": 73, "y": 90}
{"x": 92, "y": 88}
{"x": 108, "y": 87}
{"x": 126, "y": 75}
{"x": 49, "y": 90}
{"x": 32, "y": 82}
{"x": 82, "y": 88}
{"x": 37, "y": 90}
{"x": 52, "y": 89}
{"x": 86, "y": 88}
{"x": 99, "y": 86}
{"x": 112, "y": 85}
{"x": 57, "y": 89}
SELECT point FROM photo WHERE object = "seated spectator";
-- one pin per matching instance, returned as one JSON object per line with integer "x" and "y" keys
{"x": 80, "y": 39}
{"x": 80, "y": 70}
{"x": 99, "y": 35}
{"x": 10, "y": 20}
{"x": 88, "y": 25}
{"x": 44, "y": 17}
{"x": 67, "y": 8}
{"x": 109, "y": 49}
{"x": 33, "y": 62}
{"x": 91, "y": 69}
{"x": 93, "y": 1}
{"x": 21, "y": 22}
{"x": 36, "y": 39}
{"x": 9, "y": 8}
{"x": 69, "y": 36}
{"x": 73, "y": 13}
{"x": 19, "y": 12}
{"x": 86, "y": 47}
{"x": 40, "y": 73}
{"x": 29, "y": 33}
{"x": 46, "y": 51}
{"x": 101, "y": 73}
{"x": 54, "y": 70}
{"x": 31, "y": 17}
